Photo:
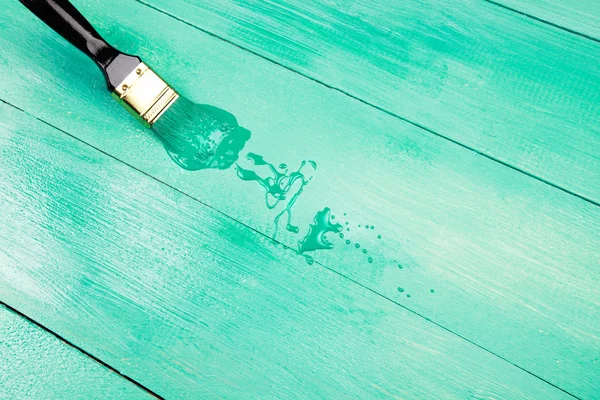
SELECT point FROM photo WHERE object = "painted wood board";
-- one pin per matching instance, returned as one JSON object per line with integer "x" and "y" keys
{"x": 579, "y": 16}
{"x": 475, "y": 232}
{"x": 515, "y": 89}
{"x": 194, "y": 305}
{"x": 34, "y": 364}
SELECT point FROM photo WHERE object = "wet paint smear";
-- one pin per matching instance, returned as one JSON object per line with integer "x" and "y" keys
{"x": 315, "y": 237}
{"x": 210, "y": 137}
{"x": 278, "y": 185}
{"x": 199, "y": 136}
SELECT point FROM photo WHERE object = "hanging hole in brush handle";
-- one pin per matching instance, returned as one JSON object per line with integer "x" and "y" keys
{"x": 68, "y": 22}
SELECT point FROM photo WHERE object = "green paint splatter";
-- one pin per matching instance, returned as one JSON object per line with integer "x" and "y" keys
{"x": 315, "y": 237}
{"x": 278, "y": 186}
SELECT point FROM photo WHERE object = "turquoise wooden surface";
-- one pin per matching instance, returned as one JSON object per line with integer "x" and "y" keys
{"x": 515, "y": 89}
{"x": 36, "y": 365}
{"x": 519, "y": 255}
{"x": 194, "y": 305}
{"x": 580, "y": 16}
{"x": 469, "y": 228}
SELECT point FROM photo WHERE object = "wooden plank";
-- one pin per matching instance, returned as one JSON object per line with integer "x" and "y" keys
{"x": 194, "y": 305}
{"x": 486, "y": 238}
{"x": 579, "y": 16}
{"x": 512, "y": 88}
{"x": 34, "y": 364}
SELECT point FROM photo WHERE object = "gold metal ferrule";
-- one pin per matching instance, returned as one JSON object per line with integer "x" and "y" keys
{"x": 145, "y": 95}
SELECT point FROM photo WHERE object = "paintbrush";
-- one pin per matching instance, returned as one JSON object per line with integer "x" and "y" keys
{"x": 187, "y": 128}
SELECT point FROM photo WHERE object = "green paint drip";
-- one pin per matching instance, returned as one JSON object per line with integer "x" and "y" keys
{"x": 278, "y": 185}
{"x": 315, "y": 237}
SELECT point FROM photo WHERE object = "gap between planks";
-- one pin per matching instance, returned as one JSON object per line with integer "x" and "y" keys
{"x": 284, "y": 246}
{"x": 390, "y": 113}
{"x": 543, "y": 21}
{"x": 71, "y": 344}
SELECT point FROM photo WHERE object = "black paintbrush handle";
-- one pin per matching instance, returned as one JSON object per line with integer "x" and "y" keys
{"x": 64, "y": 18}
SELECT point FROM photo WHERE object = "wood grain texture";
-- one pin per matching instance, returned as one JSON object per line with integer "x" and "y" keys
{"x": 512, "y": 88}
{"x": 580, "y": 16}
{"x": 34, "y": 365}
{"x": 521, "y": 257}
{"x": 194, "y": 305}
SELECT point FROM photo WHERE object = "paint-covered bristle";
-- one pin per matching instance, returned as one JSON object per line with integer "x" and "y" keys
{"x": 199, "y": 136}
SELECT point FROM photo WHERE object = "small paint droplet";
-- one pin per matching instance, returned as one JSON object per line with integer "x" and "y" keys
{"x": 344, "y": 214}
{"x": 400, "y": 266}
{"x": 378, "y": 236}
{"x": 348, "y": 241}
{"x": 341, "y": 235}
{"x": 400, "y": 289}
{"x": 365, "y": 251}
{"x": 408, "y": 295}
{"x": 359, "y": 226}
{"x": 333, "y": 217}
{"x": 357, "y": 245}
{"x": 324, "y": 237}
{"x": 370, "y": 260}
{"x": 282, "y": 166}
{"x": 347, "y": 222}
{"x": 372, "y": 227}
{"x": 309, "y": 260}
{"x": 367, "y": 226}
{"x": 348, "y": 229}
{"x": 432, "y": 290}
